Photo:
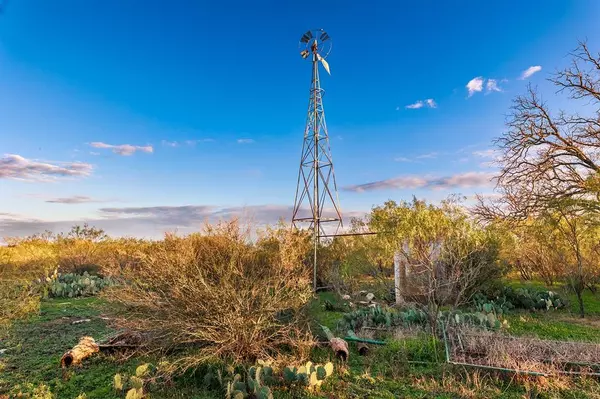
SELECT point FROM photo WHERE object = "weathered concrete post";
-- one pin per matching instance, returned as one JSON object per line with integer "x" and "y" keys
{"x": 397, "y": 279}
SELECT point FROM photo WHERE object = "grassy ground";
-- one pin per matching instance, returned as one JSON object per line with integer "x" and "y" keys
{"x": 411, "y": 368}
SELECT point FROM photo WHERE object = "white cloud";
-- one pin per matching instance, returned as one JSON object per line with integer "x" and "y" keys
{"x": 430, "y": 155}
{"x": 417, "y": 105}
{"x": 75, "y": 199}
{"x": 530, "y": 71}
{"x": 245, "y": 141}
{"x": 431, "y": 103}
{"x": 489, "y": 153}
{"x": 123, "y": 149}
{"x": 492, "y": 85}
{"x": 402, "y": 159}
{"x": 461, "y": 180}
{"x": 428, "y": 103}
{"x": 475, "y": 85}
{"x": 16, "y": 167}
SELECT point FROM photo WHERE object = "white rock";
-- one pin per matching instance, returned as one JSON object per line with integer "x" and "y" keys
{"x": 370, "y": 296}
{"x": 346, "y": 297}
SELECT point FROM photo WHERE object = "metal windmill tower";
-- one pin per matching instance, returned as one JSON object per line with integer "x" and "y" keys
{"x": 317, "y": 190}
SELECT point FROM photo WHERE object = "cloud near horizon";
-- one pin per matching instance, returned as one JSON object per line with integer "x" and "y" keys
{"x": 245, "y": 141}
{"x": 13, "y": 166}
{"x": 154, "y": 221}
{"x": 76, "y": 199}
{"x": 461, "y": 180}
{"x": 123, "y": 149}
{"x": 530, "y": 71}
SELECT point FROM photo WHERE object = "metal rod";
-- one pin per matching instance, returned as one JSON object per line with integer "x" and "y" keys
{"x": 349, "y": 234}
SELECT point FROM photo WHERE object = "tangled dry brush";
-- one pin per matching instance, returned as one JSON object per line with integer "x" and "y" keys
{"x": 217, "y": 295}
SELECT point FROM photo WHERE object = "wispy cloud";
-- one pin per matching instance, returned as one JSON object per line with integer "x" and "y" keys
{"x": 123, "y": 149}
{"x": 461, "y": 180}
{"x": 190, "y": 143}
{"x": 431, "y": 103}
{"x": 489, "y": 153}
{"x": 167, "y": 143}
{"x": 14, "y": 166}
{"x": 430, "y": 155}
{"x": 194, "y": 142}
{"x": 491, "y": 156}
{"x": 75, "y": 199}
{"x": 475, "y": 85}
{"x": 245, "y": 141}
{"x": 417, "y": 105}
{"x": 428, "y": 103}
{"x": 492, "y": 85}
{"x": 530, "y": 71}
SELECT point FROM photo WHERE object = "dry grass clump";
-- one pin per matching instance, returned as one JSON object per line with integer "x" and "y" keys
{"x": 220, "y": 296}
{"x": 488, "y": 348}
{"x": 17, "y": 300}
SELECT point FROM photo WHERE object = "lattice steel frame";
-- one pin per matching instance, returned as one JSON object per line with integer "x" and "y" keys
{"x": 316, "y": 188}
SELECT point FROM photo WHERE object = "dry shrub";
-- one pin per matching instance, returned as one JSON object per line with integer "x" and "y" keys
{"x": 220, "y": 295}
{"x": 118, "y": 255}
{"x": 17, "y": 300}
{"x": 474, "y": 384}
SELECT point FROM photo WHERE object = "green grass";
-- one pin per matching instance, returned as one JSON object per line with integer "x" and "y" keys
{"x": 320, "y": 315}
{"x": 37, "y": 344}
{"x": 409, "y": 368}
{"x": 552, "y": 326}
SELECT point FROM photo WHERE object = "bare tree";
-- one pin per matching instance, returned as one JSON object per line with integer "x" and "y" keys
{"x": 545, "y": 157}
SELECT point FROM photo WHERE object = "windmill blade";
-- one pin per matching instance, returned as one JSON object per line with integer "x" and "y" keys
{"x": 325, "y": 64}
{"x": 306, "y": 37}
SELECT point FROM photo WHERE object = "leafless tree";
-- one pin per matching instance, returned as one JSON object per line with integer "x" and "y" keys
{"x": 546, "y": 156}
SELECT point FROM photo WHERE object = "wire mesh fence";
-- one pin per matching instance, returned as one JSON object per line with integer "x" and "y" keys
{"x": 496, "y": 350}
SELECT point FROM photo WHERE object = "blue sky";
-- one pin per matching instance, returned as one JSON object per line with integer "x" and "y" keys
{"x": 147, "y": 116}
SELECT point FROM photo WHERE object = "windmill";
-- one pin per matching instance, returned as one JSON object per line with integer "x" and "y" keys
{"x": 316, "y": 202}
